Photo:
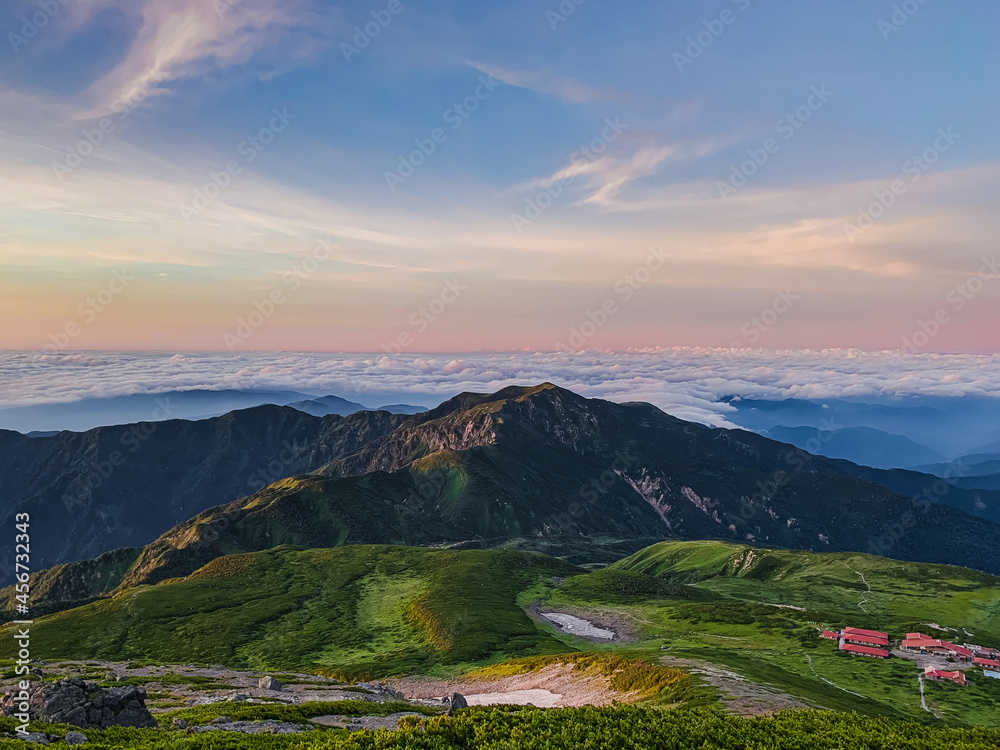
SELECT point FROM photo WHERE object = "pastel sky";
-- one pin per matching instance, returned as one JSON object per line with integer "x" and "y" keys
{"x": 698, "y": 170}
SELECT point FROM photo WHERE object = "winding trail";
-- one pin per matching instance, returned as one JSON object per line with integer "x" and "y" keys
{"x": 864, "y": 597}
{"x": 923, "y": 698}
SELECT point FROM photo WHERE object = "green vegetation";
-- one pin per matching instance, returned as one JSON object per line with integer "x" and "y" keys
{"x": 902, "y": 593}
{"x": 506, "y": 728}
{"x": 296, "y": 713}
{"x": 756, "y": 612}
{"x": 374, "y": 611}
{"x": 349, "y": 612}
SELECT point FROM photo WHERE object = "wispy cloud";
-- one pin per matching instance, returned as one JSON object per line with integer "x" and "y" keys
{"x": 544, "y": 82}
{"x": 178, "y": 39}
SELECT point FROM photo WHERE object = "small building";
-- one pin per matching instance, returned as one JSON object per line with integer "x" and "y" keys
{"x": 871, "y": 633}
{"x": 936, "y": 647}
{"x": 870, "y": 638}
{"x": 878, "y": 653}
{"x": 866, "y": 641}
{"x": 939, "y": 674}
{"x": 830, "y": 635}
{"x": 986, "y": 663}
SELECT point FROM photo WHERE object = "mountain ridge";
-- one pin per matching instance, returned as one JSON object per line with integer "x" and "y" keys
{"x": 546, "y": 468}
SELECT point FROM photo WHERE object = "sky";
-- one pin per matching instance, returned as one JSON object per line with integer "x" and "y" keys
{"x": 406, "y": 177}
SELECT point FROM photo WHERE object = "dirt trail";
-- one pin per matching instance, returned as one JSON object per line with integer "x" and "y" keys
{"x": 864, "y": 597}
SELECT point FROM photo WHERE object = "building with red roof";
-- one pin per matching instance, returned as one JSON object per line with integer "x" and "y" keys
{"x": 879, "y": 653}
{"x": 986, "y": 663}
{"x": 860, "y": 631}
{"x": 870, "y": 638}
{"x": 831, "y": 635}
{"x": 936, "y": 647}
{"x": 938, "y": 674}
{"x": 866, "y": 640}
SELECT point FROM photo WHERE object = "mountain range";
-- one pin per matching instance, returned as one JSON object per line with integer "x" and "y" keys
{"x": 43, "y": 420}
{"x": 537, "y": 468}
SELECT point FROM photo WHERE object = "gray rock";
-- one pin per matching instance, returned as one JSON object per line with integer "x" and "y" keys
{"x": 221, "y": 720}
{"x": 85, "y": 704}
{"x": 269, "y": 683}
{"x": 36, "y": 737}
{"x": 254, "y": 727}
{"x": 457, "y": 701}
{"x": 75, "y": 738}
{"x": 180, "y": 723}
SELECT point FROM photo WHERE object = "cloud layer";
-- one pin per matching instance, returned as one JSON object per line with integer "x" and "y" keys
{"x": 684, "y": 382}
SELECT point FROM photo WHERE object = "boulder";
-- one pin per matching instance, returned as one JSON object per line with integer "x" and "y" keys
{"x": 269, "y": 683}
{"x": 75, "y": 738}
{"x": 180, "y": 723}
{"x": 457, "y": 701}
{"x": 85, "y": 704}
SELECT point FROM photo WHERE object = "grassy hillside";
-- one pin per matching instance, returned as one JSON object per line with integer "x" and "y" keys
{"x": 884, "y": 593}
{"x": 756, "y": 612}
{"x": 359, "y": 610}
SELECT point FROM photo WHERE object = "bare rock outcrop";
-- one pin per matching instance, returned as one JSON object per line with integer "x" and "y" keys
{"x": 85, "y": 704}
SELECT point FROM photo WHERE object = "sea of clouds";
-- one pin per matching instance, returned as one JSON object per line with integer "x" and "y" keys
{"x": 687, "y": 383}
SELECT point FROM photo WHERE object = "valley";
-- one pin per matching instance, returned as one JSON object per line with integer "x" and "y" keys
{"x": 536, "y": 549}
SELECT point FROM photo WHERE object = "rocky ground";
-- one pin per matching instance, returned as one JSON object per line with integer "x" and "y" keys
{"x": 555, "y": 685}
{"x": 176, "y": 686}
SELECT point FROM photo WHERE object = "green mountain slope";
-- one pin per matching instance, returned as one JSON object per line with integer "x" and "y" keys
{"x": 546, "y": 469}
{"x": 891, "y": 594}
{"x": 756, "y": 613}
{"x": 124, "y": 485}
{"x": 367, "y": 610}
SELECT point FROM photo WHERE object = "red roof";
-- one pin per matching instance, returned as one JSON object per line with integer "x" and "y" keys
{"x": 958, "y": 677}
{"x": 874, "y": 640}
{"x": 935, "y": 643}
{"x": 851, "y": 648}
{"x": 829, "y": 634}
{"x": 987, "y": 662}
{"x": 859, "y": 631}
{"x": 960, "y": 650}
{"x": 917, "y": 637}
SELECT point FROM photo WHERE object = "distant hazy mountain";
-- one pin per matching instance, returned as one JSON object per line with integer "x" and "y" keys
{"x": 87, "y": 414}
{"x": 44, "y": 420}
{"x": 973, "y": 465}
{"x": 950, "y": 426}
{"x": 862, "y": 445}
{"x": 326, "y": 405}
